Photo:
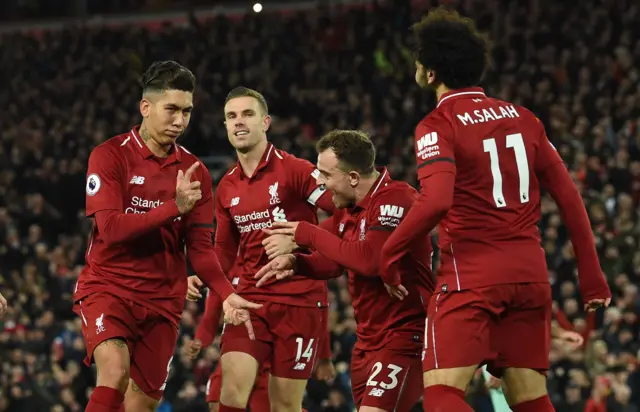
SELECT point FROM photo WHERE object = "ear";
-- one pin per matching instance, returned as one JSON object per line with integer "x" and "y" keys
{"x": 145, "y": 107}
{"x": 266, "y": 123}
{"x": 354, "y": 178}
{"x": 431, "y": 76}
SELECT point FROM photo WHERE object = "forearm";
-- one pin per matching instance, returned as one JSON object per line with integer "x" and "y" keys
{"x": 316, "y": 266}
{"x": 226, "y": 242}
{"x": 433, "y": 203}
{"x": 117, "y": 227}
{"x": 208, "y": 325}
{"x": 205, "y": 263}
{"x": 361, "y": 256}
{"x": 558, "y": 183}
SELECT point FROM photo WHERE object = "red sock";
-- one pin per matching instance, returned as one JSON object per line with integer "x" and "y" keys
{"x": 442, "y": 398}
{"x": 224, "y": 408}
{"x": 105, "y": 399}
{"x": 541, "y": 404}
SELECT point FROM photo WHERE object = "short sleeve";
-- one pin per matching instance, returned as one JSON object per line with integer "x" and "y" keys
{"x": 547, "y": 155}
{"x": 202, "y": 213}
{"x": 435, "y": 151}
{"x": 104, "y": 182}
{"x": 306, "y": 175}
{"x": 388, "y": 209}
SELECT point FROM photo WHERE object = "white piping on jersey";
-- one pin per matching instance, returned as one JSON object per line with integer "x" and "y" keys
{"x": 182, "y": 147}
{"x": 126, "y": 140}
{"x": 379, "y": 182}
{"x": 269, "y": 153}
{"x": 459, "y": 94}
{"x": 433, "y": 333}
{"x": 266, "y": 159}
{"x": 133, "y": 133}
{"x": 455, "y": 265}
{"x": 232, "y": 170}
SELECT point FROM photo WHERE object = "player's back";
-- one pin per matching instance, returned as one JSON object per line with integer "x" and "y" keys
{"x": 278, "y": 191}
{"x": 492, "y": 224}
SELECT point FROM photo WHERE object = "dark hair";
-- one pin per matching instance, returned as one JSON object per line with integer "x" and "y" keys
{"x": 241, "y": 91}
{"x": 168, "y": 75}
{"x": 353, "y": 148}
{"x": 451, "y": 45}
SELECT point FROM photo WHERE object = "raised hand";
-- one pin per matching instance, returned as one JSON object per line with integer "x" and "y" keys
{"x": 279, "y": 268}
{"x": 187, "y": 192}
{"x": 282, "y": 228}
{"x": 3, "y": 306}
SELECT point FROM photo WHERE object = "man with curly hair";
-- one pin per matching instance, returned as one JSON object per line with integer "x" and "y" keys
{"x": 482, "y": 163}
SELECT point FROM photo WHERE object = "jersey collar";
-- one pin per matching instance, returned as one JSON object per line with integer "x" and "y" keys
{"x": 382, "y": 178}
{"x": 174, "y": 157}
{"x": 468, "y": 93}
{"x": 268, "y": 154}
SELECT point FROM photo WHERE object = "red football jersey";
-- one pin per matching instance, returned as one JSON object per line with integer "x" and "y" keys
{"x": 382, "y": 321}
{"x": 151, "y": 269}
{"x": 283, "y": 188}
{"x": 496, "y": 149}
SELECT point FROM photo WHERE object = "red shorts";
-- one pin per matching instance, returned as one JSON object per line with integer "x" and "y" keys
{"x": 151, "y": 338}
{"x": 503, "y": 326}
{"x": 287, "y": 336}
{"x": 259, "y": 400}
{"x": 386, "y": 379}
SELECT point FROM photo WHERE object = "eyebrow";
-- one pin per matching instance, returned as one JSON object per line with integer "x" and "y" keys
{"x": 175, "y": 106}
{"x": 245, "y": 111}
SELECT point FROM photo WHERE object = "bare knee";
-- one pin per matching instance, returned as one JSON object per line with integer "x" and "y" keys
{"x": 523, "y": 385}
{"x": 239, "y": 371}
{"x": 214, "y": 406}
{"x": 136, "y": 400}
{"x": 286, "y": 394}
{"x": 370, "y": 409}
{"x": 112, "y": 361}
{"x": 454, "y": 377}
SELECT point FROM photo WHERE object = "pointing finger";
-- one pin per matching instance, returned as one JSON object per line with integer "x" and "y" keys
{"x": 250, "y": 331}
{"x": 190, "y": 171}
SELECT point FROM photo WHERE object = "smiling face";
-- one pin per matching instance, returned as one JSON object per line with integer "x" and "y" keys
{"x": 246, "y": 123}
{"x": 338, "y": 182}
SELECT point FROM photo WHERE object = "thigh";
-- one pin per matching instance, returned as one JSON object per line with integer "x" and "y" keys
{"x": 104, "y": 317}
{"x": 235, "y": 338}
{"x": 394, "y": 381}
{"x": 522, "y": 338}
{"x": 298, "y": 331}
{"x": 152, "y": 356}
{"x": 459, "y": 328}
{"x": 214, "y": 385}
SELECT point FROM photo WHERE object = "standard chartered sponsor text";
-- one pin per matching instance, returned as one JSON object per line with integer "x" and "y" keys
{"x": 139, "y": 202}
{"x": 253, "y": 221}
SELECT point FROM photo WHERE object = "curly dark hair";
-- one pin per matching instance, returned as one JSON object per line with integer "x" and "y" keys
{"x": 353, "y": 148}
{"x": 167, "y": 75}
{"x": 452, "y": 46}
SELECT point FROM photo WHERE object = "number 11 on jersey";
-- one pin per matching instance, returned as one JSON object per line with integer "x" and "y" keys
{"x": 515, "y": 142}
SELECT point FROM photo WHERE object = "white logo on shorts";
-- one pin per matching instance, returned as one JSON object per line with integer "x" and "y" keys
{"x": 300, "y": 366}
{"x": 99, "y": 324}
{"x": 376, "y": 392}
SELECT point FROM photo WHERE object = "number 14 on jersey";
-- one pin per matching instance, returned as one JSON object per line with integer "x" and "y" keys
{"x": 515, "y": 142}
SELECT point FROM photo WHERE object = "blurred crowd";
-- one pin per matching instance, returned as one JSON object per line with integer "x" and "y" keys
{"x": 575, "y": 64}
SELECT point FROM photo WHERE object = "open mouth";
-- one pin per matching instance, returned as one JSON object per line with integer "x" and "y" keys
{"x": 241, "y": 133}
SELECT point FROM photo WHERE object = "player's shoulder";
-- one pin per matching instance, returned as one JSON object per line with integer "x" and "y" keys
{"x": 188, "y": 159}
{"x": 394, "y": 190}
{"x": 115, "y": 145}
{"x": 292, "y": 160}
{"x": 514, "y": 110}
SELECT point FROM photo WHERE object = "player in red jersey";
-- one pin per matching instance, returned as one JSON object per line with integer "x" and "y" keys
{"x": 205, "y": 335}
{"x": 267, "y": 185}
{"x": 482, "y": 163}
{"x": 386, "y": 366}
{"x": 146, "y": 211}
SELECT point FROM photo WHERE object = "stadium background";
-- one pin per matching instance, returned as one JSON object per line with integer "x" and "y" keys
{"x": 68, "y": 71}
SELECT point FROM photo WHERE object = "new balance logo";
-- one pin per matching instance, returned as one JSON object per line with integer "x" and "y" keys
{"x": 428, "y": 139}
{"x": 391, "y": 211}
{"x": 300, "y": 366}
{"x": 235, "y": 201}
{"x": 376, "y": 392}
{"x": 137, "y": 180}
